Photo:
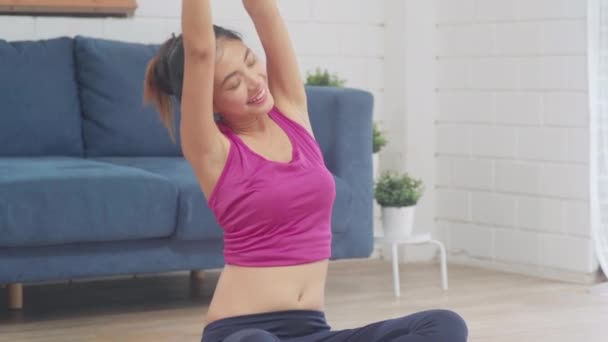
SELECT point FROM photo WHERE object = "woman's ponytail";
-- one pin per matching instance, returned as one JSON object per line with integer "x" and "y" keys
{"x": 158, "y": 93}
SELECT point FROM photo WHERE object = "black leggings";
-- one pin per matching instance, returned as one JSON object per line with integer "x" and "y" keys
{"x": 310, "y": 326}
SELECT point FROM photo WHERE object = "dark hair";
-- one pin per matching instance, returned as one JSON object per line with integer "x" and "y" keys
{"x": 165, "y": 75}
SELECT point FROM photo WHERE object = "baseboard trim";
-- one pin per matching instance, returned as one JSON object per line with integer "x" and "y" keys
{"x": 430, "y": 254}
{"x": 536, "y": 271}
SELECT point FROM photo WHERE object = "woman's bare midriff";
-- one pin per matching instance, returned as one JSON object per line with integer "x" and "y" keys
{"x": 250, "y": 290}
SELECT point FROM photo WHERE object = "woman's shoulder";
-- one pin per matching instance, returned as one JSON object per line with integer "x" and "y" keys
{"x": 295, "y": 114}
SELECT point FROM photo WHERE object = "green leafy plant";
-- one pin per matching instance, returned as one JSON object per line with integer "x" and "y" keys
{"x": 397, "y": 190}
{"x": 379, "y": 139}
{"x": 324, "y": 78}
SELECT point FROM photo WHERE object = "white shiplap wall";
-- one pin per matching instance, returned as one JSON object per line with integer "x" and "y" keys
{"x": 512, "y": 135}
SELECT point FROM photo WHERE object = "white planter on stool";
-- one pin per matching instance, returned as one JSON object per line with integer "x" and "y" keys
{"x": 398, "y": 222}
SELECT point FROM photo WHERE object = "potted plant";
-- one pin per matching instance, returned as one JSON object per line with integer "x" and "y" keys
{"x": 397, "y": 195}
{"x": 324, "y": 78}
{"x": 379, "y": 141}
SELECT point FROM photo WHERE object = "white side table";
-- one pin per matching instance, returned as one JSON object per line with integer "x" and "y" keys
{"x": 414, "y": 240}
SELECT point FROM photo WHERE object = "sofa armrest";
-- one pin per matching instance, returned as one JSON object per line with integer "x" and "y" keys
{"x": 342, "y": 123}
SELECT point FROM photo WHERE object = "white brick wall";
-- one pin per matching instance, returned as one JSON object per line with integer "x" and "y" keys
{"x": 344, "y": 36}
{"x": 512, "y": 138}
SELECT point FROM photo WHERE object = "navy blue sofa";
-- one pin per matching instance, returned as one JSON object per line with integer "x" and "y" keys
{"x": 91, "y": 184}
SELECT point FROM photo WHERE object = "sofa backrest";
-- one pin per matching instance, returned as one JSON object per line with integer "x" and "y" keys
{"x": 84, "y": 97}
{"x": 39, "y": 105}
{"x": 115, "y": 121}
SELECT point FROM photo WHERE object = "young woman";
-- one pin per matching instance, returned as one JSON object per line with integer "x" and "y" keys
{"x": 265, "y": 180}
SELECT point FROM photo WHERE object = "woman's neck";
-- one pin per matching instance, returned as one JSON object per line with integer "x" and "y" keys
{"x": 252, "y": 126}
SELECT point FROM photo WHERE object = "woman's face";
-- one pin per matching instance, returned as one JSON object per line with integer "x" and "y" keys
{"x": 240, "y": 81}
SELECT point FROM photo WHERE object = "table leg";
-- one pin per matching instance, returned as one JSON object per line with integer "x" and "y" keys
{"x": 396, "y": 282}
{"x": 444, "y": 272}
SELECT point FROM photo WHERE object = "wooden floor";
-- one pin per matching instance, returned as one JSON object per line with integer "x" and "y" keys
{"x": 498, "y": 307}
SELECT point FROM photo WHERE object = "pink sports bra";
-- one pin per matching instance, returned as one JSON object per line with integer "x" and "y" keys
{"x": 274, "y": 213}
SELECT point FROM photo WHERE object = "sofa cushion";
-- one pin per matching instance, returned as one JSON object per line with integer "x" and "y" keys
{"x": 195, "y": 221}
{"x": 46, "y": 201}
{"x": 116, "y": 121}
{"x": 40, "y": 110}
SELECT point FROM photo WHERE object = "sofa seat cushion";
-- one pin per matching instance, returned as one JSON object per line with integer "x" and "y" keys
{"x": 56, "y": 200}
{"x": 116, "y": 121}
{"x": 195, "y": 221}
{"x": 40, "y": 109}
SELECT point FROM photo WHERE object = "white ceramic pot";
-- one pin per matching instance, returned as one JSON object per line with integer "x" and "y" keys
{"x": 376, "y": 161}
{"x": 398, "y": 223}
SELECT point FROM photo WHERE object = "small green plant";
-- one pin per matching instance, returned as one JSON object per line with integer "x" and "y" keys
{"x": 397, "y": 190}
{"x": 379, "y": 139}
{"x": 324, "y": 78}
